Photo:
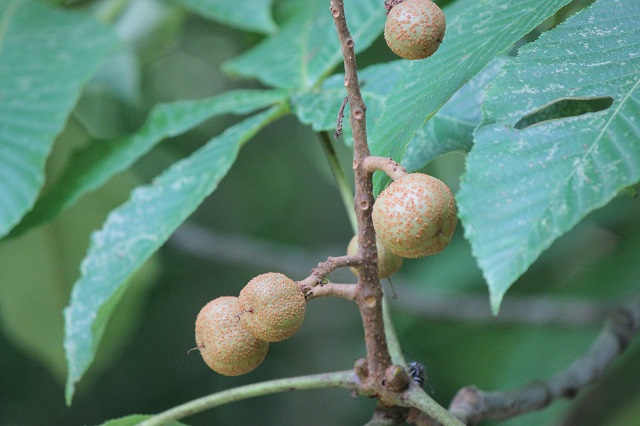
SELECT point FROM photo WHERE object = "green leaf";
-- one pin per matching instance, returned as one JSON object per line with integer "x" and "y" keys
{"x": 451, "y": 128}
{"x": 38, "y": 269}
{"x": 475, "y": 36}
{"x": 526, "y": 187}
{"x": 134, "y": 419}
{"x": 135, "y": 230}
{"x": 319, "y": 107}
{"x": 93, "y": 166}
{"x": 250, "y": 15}
{"x": 306, "y": 48}
{"x": 46, "y": 56}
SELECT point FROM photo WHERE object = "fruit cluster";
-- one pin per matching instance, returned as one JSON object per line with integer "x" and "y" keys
{"x": 233, "y": 333}
{"x": 415, "y": 216}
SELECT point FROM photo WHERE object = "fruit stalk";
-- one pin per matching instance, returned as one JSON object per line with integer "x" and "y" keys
{"x": 369, "y": 290}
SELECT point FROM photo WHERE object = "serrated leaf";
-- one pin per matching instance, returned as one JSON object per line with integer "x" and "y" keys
{"x": 307, "y": 48}
{"x": 135, "y": 230}
{"x": 475, "y": 36}
{"x": 524, "y": 188}
{"x": 134, "y": 419}
{"x": 451, "y": 128}
{"x": 250, "y": 15}
{"x": 46, "y": 56}
{"x": 93, "y": 166}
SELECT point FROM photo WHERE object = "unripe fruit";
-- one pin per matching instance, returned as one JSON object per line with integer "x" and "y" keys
{"x": 415, "y": 29}
{"x": 224, "y": 344}
{"x": 272, "y": 307}
{"x": 388, "y": 262}
{"x": 415, "y": 216}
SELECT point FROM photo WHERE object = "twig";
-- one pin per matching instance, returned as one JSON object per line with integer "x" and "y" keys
{"x": 392, "y": 168}
{"x": 340, "y": 379}
{"x": 369, "y": 289}
{"x": 472, "y": 405}
{"x": 345, "y": 291}
{"x": 320, "y": 272}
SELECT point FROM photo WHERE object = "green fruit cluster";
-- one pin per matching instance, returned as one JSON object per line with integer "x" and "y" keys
{"x": 233, "y": 333}
{"x": 415, "y": 29}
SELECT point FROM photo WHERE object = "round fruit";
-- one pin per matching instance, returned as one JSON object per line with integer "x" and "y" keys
{"x": 224, "y": 344}
{"x": 272, "y": 307}
{"x": 388, "y": 262}
{"x": 415, "y": 29}
{"x": 415, "y": 216}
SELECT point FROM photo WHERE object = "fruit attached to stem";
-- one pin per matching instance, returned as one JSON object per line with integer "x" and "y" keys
{"x": 224, "y": 344}
{"x": 272, "y": 307}
{"x": 388, "y": 262}
{"x": 415, "y": 29}
{"x": 415, "y": 216}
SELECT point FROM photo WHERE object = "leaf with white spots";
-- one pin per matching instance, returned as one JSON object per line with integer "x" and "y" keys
{"x": 136, "y": 229}
{"x": 477, "y": 32}
{"x": 561, "y": 137}
{"x": 46, "y": 57}
{"x": 94, "y": 165}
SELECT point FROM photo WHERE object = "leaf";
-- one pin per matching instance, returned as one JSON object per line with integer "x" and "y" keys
{"x": 319, "y": 107}
{"x": 250, "y": 15}
{"x": 46, "y": 56}
{"x": 37, "y": 270}
{"x": 451, "y": 128}
{"x": 306, "y": 48}
{"x": 475, "y": 36}
{"x": 526, "y": 187}
{"x": 135, "y": 230}
{"x": 93, "y": 166}
{"x": 135, "y": 419}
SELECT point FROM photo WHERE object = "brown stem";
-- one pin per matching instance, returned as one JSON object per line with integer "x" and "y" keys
{"x": 472, "y": 405}
{"x": 369, "y": 290}
{"x": 345, "y": 291}
{"x": 393, "y": 169}
{"x": 323, "y": 269}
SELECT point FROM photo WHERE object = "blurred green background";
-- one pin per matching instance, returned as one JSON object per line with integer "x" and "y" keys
{"x": 279, "y": 210}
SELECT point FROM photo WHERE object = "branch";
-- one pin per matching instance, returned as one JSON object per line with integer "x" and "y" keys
{"x": 345, "y": 291}
{"x": 472, "y": 405}
{"x": 340, "y": 379}
{"x": 323, "y": 269}
{"x": 369, "y": 293}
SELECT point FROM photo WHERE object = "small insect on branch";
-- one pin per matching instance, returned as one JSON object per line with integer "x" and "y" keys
{"x": 338, "y": 132}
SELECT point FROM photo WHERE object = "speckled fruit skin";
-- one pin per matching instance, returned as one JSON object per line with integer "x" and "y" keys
{"x": 388, "y": 262}
{"x": 415, "y": 216}
{"x": 224, "y": 344}
{"x": 273, "y": 307}
{"x": 415, "y": 29}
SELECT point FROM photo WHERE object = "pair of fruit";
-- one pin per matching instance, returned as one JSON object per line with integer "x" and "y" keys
{"x": 414, "y": 28}
{"x": 233, "y": 333}
{"x": 415, "y": 216}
